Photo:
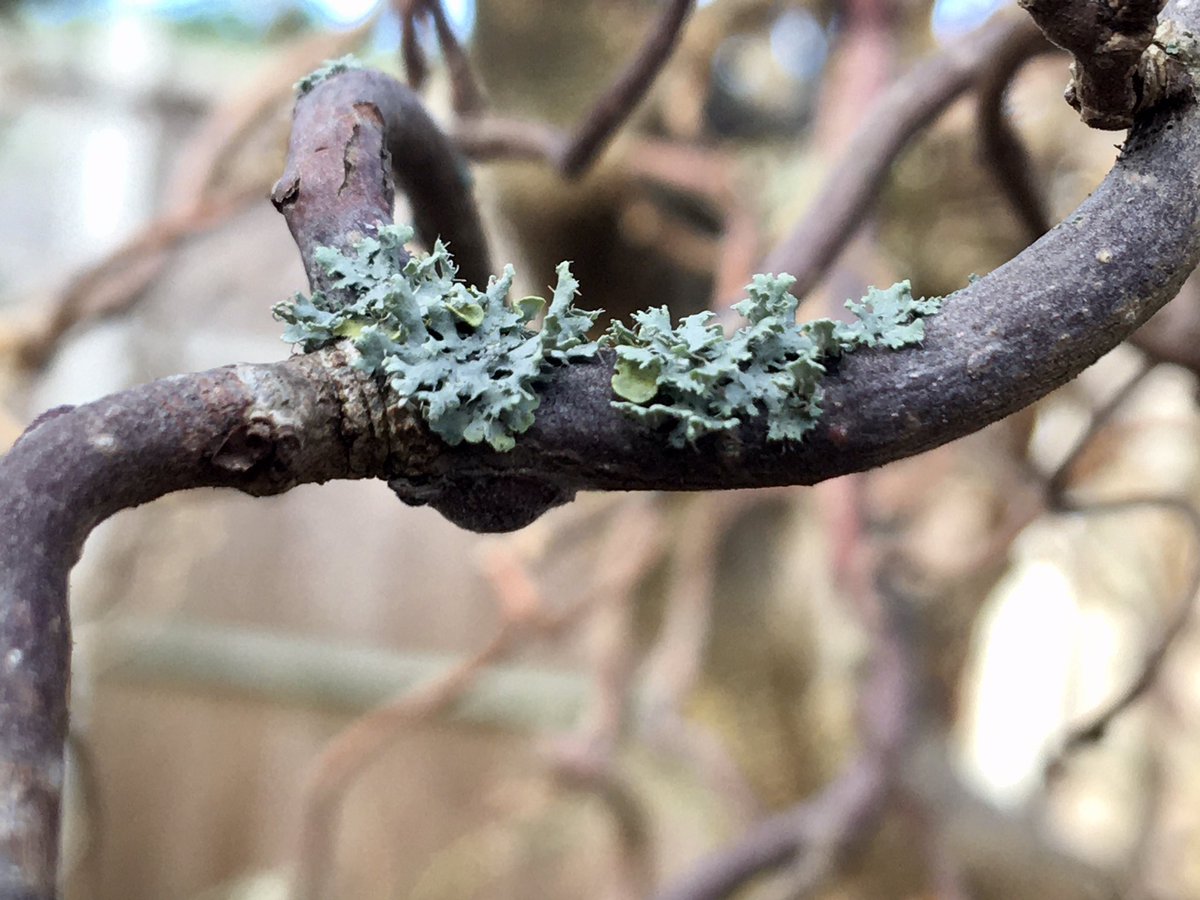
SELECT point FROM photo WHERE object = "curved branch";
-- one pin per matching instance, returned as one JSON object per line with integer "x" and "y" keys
{"x": 1000, "y": 142}
{"x": 260, "y": 429}
{"x": 335, "y": 186}
{"x": 998, "y": 345}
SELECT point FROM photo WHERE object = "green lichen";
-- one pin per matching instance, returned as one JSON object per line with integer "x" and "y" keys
{"x": 326, "y": 70}
{"x": 465, "y": 358}
{"x": 470, "y": 363}
{"x": 693, "y": 379}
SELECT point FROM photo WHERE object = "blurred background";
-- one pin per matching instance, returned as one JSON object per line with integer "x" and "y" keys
{"x": 329, "y": 694}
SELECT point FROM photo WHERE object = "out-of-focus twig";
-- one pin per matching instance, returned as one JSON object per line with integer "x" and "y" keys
{"x": 1055, "y": 498}
{"x": 592, "y": 769}
{"x": 199, "y": 169}
{"x": 194, "y": 199}
{"x": 633, "y": 543}
{"x": 355, "y": 748}
{"x": 674, "y": 666}
{"x": 1173, "y": 334}
{"x": 466, "y": 95}
{"x": 486, "y": 138}
{"x": 1094, "y": 728}
{"x": 905, "y": 110}
{"x": 315, "y": 675}
{"x": 816, "y": 837}
{"x": 622, "y": 97}
{"x": 114, "y": 284}
{"x": 523, "y": 614}
{"x": 999, "y": 141}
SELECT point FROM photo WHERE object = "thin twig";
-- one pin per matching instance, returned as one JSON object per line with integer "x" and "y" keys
{"x": 674, "y": 665}
{"x": 348, "y": 754}
{"x": 1001, "y": 144}
{"x": 416, "y": 69}
{"x": 466, "y": 96}
{"x": 487, "y": 138}
{"x": 1057, "y": 481}
{"x": 901, "y": 113}
{"x": 816, "y": 837}
{"x": 618, "y": 103}
{"x": 114, "y": 284}
{"x": 195, "y": 200}
{"x": 587, "y": 760}
{"x": 1173, "y": 334}
{"x": 1094, "y": 728}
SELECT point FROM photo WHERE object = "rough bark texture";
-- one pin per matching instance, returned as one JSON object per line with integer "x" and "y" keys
{"x": 336, "y": 185}
{"x": 1107, "y": 40}
{"x": 260, "y": 429}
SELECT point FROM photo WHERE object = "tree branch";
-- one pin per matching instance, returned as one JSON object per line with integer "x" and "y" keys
{"x": 335, "y": 198}
{"x": 1107, "y": 40}
{"x": 1000, "y": 142}
{"x": 260, "y": 429}
{"x": 999, "y": 344}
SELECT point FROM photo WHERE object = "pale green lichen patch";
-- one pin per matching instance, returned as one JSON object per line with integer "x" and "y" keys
{"x": 326, "y": 70}
{"x": 469, "y": 361}
{"x": 465, "y": 358}
{"x": 692, "y": 378}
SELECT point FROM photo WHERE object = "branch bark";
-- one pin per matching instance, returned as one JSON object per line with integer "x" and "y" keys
{"x": 260, "y": 429}
{"x": 1107, "y": 40}
{"x": 376, "y": 127}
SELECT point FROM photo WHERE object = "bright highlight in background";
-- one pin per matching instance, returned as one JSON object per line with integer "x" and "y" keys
{"x": 345, "y": 12}
{"x": 461, "y": 13}
{"x": 952, "y": 18}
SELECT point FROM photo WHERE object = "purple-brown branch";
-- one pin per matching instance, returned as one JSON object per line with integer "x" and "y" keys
{"x": 336, "y": 186}
{"x": 999, "y": 141}
{"x": 466, "y": 96}
{"x": 260, "y": 429}
{"x": 826, "y": 828}
{"x": 999, "y": 344}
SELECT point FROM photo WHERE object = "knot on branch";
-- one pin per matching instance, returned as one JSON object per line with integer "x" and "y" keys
{"x": 1124, "y": 60}
{"x": 486, "y": 504}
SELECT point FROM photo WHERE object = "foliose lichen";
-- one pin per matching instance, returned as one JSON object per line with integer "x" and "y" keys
{"x": 693, "y": 378}
{"x": 465, "y": 358}
{"x": 469, "y": 361}
{"x": 326, "y": 70}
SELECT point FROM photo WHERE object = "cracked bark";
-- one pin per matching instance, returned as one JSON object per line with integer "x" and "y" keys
{"x": 1107, "y": 41}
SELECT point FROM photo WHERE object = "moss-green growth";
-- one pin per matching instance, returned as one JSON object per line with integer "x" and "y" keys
{"x": 692, "y": 378}
{"x": 327, "y": 70}
{"x": 465, "y": 358}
